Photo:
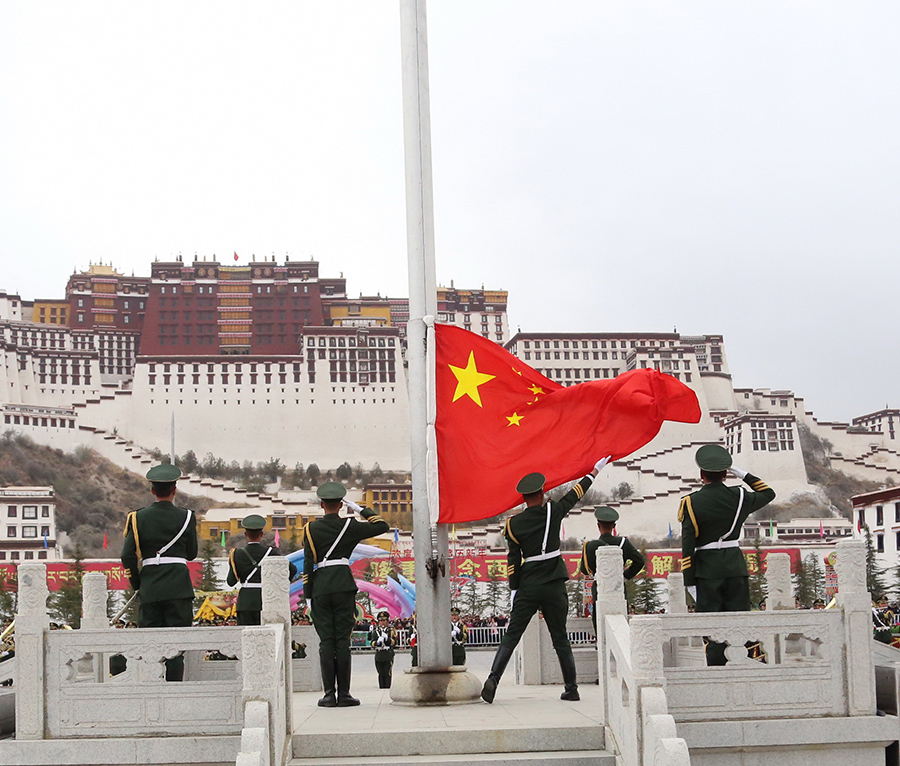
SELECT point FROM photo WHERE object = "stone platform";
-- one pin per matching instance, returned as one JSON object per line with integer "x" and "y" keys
{"x": 525, "y": 724}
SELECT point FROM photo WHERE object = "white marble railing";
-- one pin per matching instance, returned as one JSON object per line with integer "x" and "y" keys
{"x": 808, "y": 664}
{"x": 100, "y": 682}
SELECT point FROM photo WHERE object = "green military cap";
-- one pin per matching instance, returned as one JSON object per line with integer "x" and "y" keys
{"x": 254, "y": 521}
{"x": 605, "y": 513}
{"x": 713, "y": 457}
{"x": 454, "y": 610}
{"x": 383, "y": 615}
{"x": 331, "y": 490}
{"x": 533, "y": 482}
{"x": 164, "y": 472}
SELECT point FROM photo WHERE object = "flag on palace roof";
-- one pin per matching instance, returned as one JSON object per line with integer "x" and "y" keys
{"x": 235, "y": 256}
{"x": 498, "y": 419}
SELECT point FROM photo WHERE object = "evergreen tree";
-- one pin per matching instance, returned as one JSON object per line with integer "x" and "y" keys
{"x": 575, "y": 593}
{"x": 65, "y": 604}
{"x": 642, "y": 594}
{"x": 809, "y": 582}
{"x": 208, "y": 580}
{"x": 874, "y": 573}
{"x": 344, "y": 471}
{"x": 7, "y": 607}
{"x": 759, "y": 589}
{"x": 496, "y": 597}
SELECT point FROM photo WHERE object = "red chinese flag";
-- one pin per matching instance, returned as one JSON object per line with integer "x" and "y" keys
{"x": 498, "y": 419}
{"x": 235, "y": 256}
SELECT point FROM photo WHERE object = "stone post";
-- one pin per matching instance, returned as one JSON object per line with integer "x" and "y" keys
{"x": 263, "y": 677}
{"x": 646, "y": 664}
{"x": 276, "y": 610}
{"x": 93, "y": 602}
{"x": 610, "y": 601}
{"x": 31, "y": 621}
{"x": 780, "y": 592}
{"x": 675, "y": 584}
{"x": 856, "y": 604}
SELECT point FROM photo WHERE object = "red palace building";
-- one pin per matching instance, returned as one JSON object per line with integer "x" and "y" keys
{"x": 209, "y": 308}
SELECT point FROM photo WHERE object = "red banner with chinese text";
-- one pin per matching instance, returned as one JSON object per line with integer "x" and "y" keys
{"x": 482, "y": 566}
{"x": 60, "y": 572}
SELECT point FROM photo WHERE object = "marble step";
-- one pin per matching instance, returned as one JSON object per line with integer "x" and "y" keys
{"x": 556, "y": 758}
{"x": 381, "y": 746}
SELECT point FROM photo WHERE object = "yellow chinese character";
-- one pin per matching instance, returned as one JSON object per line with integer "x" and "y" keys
{"x": 497, "y": 568}
{"x": 469, "y": 567}
{"x": 661, "y": 565}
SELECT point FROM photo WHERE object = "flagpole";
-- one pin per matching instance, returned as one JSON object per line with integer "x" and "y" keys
{"x": 430, "y": 540}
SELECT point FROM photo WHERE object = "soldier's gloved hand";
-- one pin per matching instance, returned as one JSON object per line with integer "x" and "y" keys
{"x": 352, "y": 506}
{"x": 512, "y": 598}
{"x": 692, "y": 589}
{"x": 737, "y": 473}
{"x": 601, "y": 464}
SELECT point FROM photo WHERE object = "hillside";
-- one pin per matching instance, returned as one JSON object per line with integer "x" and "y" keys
{"x": 93, "y": 495}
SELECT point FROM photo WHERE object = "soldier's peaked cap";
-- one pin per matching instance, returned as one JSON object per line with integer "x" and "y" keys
{"x": 383, "y": 615}
{"x": 713, "y": 457}
{"x": 533, "y": 482}
{"x": 454, "y": 610}
{"x": 164, "y": 472}
{"x": 605, "y": 513}
{"x": 253, "y": 521}
{"x": 331, "y": 490}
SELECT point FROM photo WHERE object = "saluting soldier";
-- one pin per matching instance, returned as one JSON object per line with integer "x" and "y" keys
{"x": 245, "y": 567}
{"x": 328, "y": 584}
{"x": 159, "y": 541}
{"x": 537, "y": 576}
{"x": 632, "y": 559}
{"x": 715, "y": 571}
{"x": 383, "y": 638}
{"x": 459, "y": 637}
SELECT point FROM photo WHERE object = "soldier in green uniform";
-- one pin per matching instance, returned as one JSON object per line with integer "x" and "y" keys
{"x": 631, "y": 556}
{"x": 245, "y": 567}
{"x": 159, "y": 541}
{"x": 459, "y": 635}
{"x": 715, "y": 571}
{"x": 329, "y": 585}
{"x": 537, "y": 576}
{"x": 383, "y": 638}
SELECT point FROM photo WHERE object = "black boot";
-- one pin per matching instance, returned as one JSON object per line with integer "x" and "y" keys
{"x": 501, "y": 660}
{"x": 343, "y": 681}
{"x": 327, "y": 665}
{"x": 567, "y": 665}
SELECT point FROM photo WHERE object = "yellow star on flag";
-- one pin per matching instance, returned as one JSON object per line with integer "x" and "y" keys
{"x": 468, "y": 379}
{"x": 536, "y": 390}
{"x": 514, "y": 419}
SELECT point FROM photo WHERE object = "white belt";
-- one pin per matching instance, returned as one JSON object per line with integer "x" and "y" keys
{"x": 250, "y": 585}
{"x": 163, "y": 560}
{"x": 333, "y": 563}
{"x": 541, "y": 556}
{"x": 719, "y": 544}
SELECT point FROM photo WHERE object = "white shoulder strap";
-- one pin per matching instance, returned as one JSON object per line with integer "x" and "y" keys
{"x": 546, "y": 531}
{"x": 187, "y": 520}
{"x": 337, "y": 540}
{"x": 737, "y": 515}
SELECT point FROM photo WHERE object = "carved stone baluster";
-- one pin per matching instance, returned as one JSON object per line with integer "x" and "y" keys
{"x": 261, "y": 682}
{"x": 31, "y": 621}
{"x": 610, "y": 601}
{"x": 778, "y": 582}
{"x": 856, "y": 604}
{"x": 93, "y": 602}
{"x": 276, "y": 610}
{"x": 675, "y": 585}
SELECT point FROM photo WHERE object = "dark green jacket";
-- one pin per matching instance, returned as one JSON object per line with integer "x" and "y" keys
{"x": 148, "y": 530}
{"x": 525, "y": 533}
{"x": 710, "y": 514}
{"x": 318, "y": 536}
{"x": 383, "y": 641}
{"x": 241, "y": 563}
{"x": 631, "y": 556}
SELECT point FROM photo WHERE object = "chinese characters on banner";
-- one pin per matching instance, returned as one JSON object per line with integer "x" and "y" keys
{"x": 483, "y": 567}
{"x": 61, "y": 572}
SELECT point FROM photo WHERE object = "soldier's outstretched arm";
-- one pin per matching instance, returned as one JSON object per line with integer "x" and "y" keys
{"x": 762, "y": 493}
{"x": 689, "y": 532}
{"x": 567, "y": 501}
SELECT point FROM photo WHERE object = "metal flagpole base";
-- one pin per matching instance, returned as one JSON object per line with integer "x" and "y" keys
{"x": 443, "y": 686}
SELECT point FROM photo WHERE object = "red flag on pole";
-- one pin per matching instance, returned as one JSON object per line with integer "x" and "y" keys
{"x": 498, "y": 419}
{"x": 235, "y": 256}
{"x": 105, "y": 541}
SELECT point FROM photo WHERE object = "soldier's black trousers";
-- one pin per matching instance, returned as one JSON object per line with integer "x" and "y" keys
{"x": 553, "y": 602}
{"x": 246, "y": 617}
{"x": 334, "y": 617}
{"x": 721, "y": 594}
{"x": 385, "y": 671}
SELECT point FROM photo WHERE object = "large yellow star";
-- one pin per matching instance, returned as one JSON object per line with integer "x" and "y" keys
{"x": 468, "y": 379}
{"x": 536, "y": 390}
{"x": 514, "y": 419}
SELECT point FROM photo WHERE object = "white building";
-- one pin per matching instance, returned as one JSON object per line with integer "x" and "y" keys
{"x": 880, "y": 512}
{"x": 29, "y": 524}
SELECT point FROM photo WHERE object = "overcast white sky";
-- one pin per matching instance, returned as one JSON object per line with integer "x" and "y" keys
{"x": 719, "y": 167}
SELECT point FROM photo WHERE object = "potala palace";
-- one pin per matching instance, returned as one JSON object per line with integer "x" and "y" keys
{"x": 250, "y": 362}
